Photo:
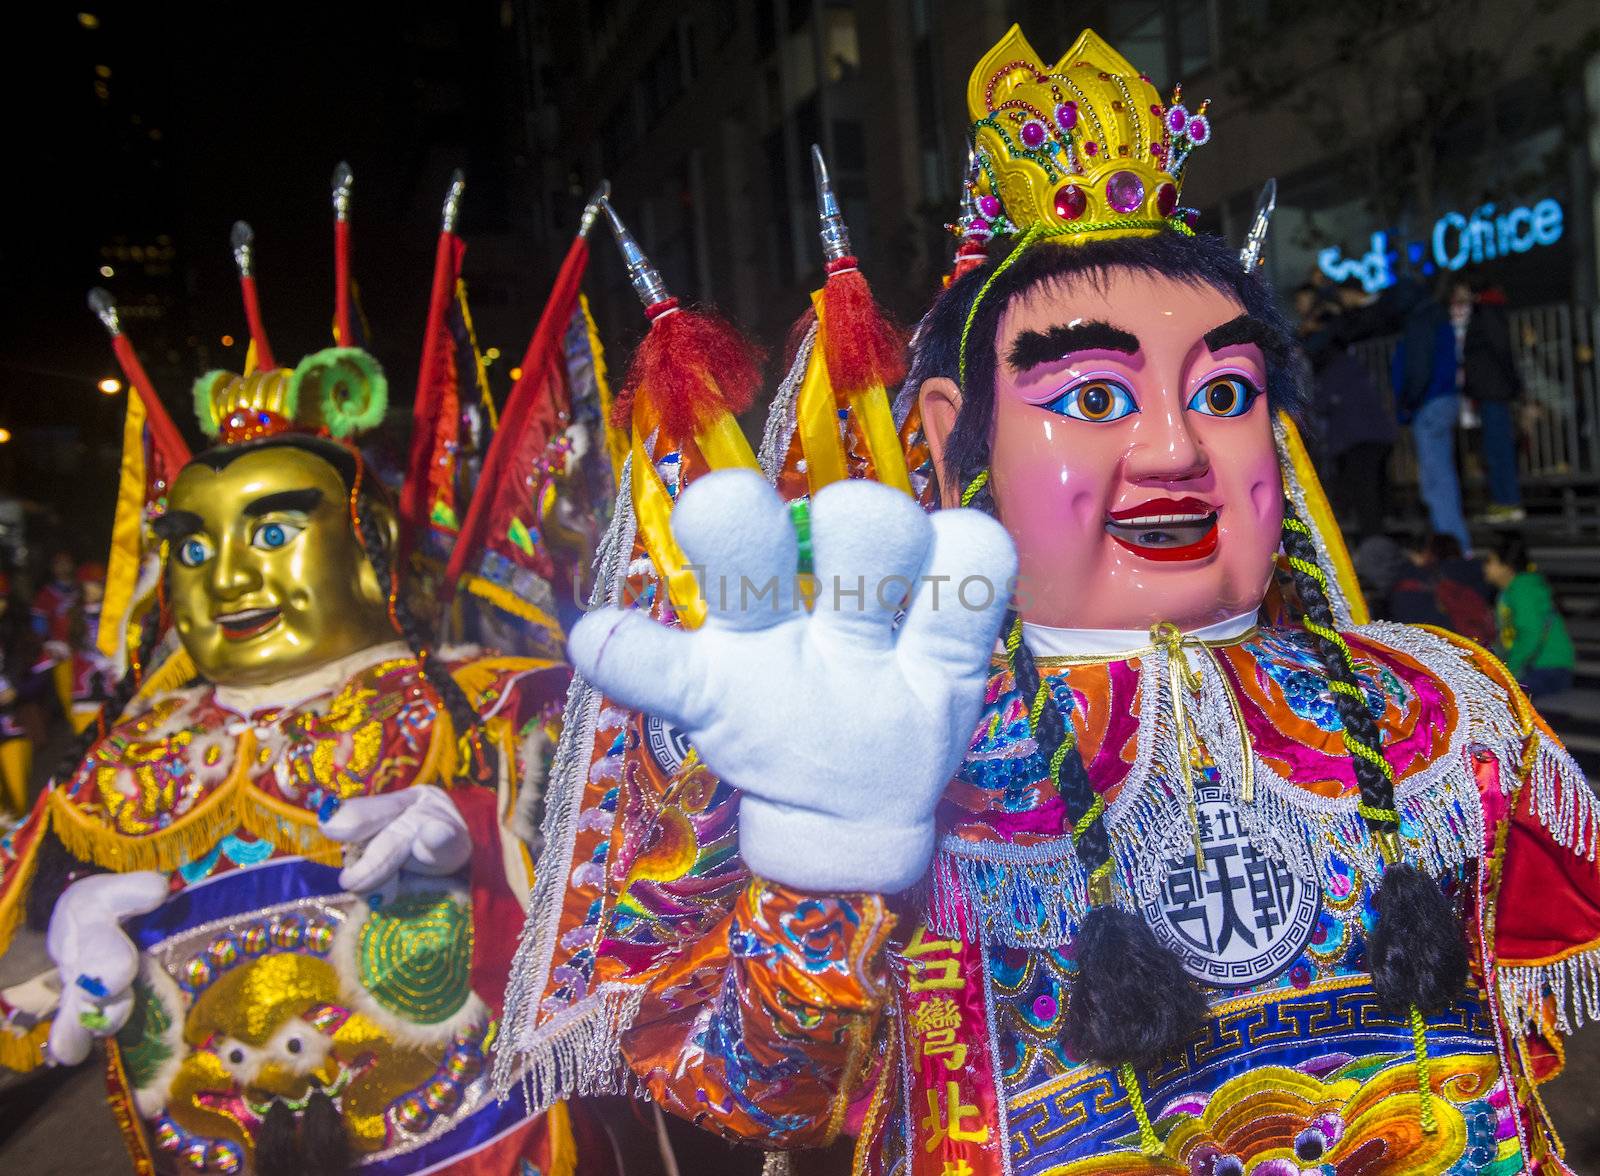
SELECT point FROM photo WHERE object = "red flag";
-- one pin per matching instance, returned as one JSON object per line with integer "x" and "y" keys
{"x": 436, "y": 413}
{"x": 532, "y": 418}
{"x": 170, "y": 449}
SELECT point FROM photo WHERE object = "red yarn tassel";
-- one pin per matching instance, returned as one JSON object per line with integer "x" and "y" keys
{"x": 692, "y": 364}
{"x": 863, "y": 347}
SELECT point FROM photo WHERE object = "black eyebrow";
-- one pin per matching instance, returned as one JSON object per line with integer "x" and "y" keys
{"x": 175, "y": 525}
{"x": 304, "y": 501}
{"x": 1241, "y": 330}
{"x": 1031, "y": 348}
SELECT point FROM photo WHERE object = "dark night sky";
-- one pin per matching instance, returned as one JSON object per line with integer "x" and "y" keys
{"x": 253, "y": 105}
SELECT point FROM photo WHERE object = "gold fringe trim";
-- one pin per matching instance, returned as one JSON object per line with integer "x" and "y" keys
{"x": 14, "y": 902}
{"x": 117, "y": 1087}
{"x": 289, "y": 827}
{"x": 189, "y": 837}
{"x": 237, "y": 804}
{"x": 24, "y": 1051}
{"x": 172, "y": 674}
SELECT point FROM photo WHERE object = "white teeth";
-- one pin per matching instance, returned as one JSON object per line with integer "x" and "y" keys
{"x": 1156, "y": 520}
{"x": 244, "y": 618}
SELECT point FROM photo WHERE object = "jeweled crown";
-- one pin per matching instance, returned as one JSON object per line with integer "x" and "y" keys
{"x": 336, "y": 392}
{"x": 1083, "y": 148}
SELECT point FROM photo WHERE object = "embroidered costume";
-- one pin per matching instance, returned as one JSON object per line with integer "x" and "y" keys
{"x": 1352, "y": 851}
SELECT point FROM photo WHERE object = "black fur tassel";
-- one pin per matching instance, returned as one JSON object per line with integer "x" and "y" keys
{"x": 278, "y": 1141}
{"x": 323, "y": 1141}
{"x": 1417, "y": 953}
{"x": 1132, "y": 1001}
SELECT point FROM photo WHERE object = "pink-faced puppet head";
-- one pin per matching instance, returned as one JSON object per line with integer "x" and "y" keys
{"x": 1120, "y": 396}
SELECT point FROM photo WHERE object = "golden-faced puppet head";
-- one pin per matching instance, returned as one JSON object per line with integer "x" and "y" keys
{"x": 271, "y": 535}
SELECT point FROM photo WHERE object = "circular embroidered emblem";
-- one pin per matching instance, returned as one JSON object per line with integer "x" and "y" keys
{"x": 415, "y": 957}
{"x": 1243, "y": 918}
{"x": 669, "y": 747}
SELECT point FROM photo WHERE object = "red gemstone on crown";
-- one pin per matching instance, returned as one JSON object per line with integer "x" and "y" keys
{"x": 1071, "y": 201}
{"x": 1091, "y": 148}
{"x": 1166, "y": 199}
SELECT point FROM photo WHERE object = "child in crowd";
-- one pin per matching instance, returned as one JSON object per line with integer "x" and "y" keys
{"x": 1533, "y": 638}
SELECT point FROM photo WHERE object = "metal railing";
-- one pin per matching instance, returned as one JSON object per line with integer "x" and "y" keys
{"x": 1559, "y": 445}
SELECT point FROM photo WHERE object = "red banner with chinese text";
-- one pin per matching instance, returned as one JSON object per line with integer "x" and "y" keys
{"x": 955, "y": 1108}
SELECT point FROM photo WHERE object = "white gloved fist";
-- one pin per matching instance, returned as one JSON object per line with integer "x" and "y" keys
{"x": 417, "y": 829}
{"x": 96, "y": 960}
{"x": 841, "y": 730}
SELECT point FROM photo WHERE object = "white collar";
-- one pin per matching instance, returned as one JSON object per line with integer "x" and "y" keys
{"x": 287, "y": 692}
{"x": 1046, "y": 641}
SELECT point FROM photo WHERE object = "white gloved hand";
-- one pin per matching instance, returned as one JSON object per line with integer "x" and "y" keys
{"x": 95, "y": 958}
{"x": 841, "y": 730}
{"x": 417, "y": 829}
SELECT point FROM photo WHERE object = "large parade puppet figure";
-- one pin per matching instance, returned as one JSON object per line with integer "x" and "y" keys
{"x": 263, "y": 1009}
{"x": 1105, "y": 875}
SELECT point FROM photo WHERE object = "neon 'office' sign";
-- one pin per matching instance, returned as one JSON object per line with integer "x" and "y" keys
{"x": 1456, "y": 241}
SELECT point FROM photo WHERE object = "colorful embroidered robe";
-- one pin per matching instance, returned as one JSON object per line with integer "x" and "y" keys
{"x": 932, "y": 1028}
{"x": 261, "y": 978}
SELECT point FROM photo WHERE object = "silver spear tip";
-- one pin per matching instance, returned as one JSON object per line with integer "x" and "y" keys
{"x": 591, "y": 210}
{"x": 343, "y": 178}
{"x": 105, "y": 309}
{"x": 835, "y": 236}
{"x": 243, "y": 241}
{"x": 452, "y": 201}
{"x": 1255, "y": 241}
{"x": 646, "y": 280}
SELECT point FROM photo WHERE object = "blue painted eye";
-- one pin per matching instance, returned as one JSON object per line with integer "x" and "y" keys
{"x": 271, "y": 536}
{"x": 1225, "y": 396}
{"x": 1095, "y": 401}
{"x": 193, "y": 552}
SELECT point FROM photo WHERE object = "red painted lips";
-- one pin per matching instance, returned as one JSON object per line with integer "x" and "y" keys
{"x": 1166, "y": 529}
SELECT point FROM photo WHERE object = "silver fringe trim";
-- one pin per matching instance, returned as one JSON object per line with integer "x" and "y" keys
{"x": 526, "y": 1047}
{"x": 578, "y": 1051}
{"x": 1035, "y": 896}
{"x": 779, "y": 432}
{"x": 1574, "y": 983}
{"x": 1562, "y": 799}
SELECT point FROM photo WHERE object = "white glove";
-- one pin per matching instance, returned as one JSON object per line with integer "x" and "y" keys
{"x": 841, "y": 730}
{"x": 96, "y": 960}
{"x": 416, "y": 829}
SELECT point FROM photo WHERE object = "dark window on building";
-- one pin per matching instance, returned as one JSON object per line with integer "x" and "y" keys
{"x": 849, "y": 145}
{"x": 766, "y": 26}
{"x": 782, "y": 230}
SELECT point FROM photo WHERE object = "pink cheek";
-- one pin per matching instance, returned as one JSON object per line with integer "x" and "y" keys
{"x": 1266, "y": 493}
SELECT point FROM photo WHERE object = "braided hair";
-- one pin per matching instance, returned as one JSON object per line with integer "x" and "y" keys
{"x": 1416, "y": 952}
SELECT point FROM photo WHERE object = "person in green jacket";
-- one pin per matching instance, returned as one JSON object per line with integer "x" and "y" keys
{"x": 1533, "y": 638}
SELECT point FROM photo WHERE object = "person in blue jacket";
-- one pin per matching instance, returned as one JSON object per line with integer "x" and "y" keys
{"x": 1425, "y": 375}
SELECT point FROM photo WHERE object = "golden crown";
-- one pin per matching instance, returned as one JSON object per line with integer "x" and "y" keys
{"x": 1082, "y": 148}
{"x": 336, "y": 392}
